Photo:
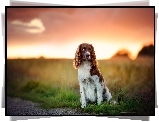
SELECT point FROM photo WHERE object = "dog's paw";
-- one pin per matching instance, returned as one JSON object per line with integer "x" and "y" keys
{"x": 83, "y": 105}
{"x": 99, "y": 102}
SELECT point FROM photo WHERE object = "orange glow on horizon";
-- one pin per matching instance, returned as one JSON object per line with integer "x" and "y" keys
{"x": 103, "y": 50}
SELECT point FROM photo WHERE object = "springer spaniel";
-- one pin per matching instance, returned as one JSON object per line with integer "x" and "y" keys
{"x": 91, "y": 81}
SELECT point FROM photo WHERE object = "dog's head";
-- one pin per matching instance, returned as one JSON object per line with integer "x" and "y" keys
{"x": 84, "y": 52}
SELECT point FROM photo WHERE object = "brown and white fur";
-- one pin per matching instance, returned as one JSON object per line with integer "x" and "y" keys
{"x": 91, "y": 81}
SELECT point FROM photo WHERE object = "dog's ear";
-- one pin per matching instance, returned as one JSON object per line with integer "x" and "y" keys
{"x": 93, "y": 56}
{"x": 77, "y": 59}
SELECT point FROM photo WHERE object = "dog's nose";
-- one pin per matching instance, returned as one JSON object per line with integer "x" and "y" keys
{"x": 87, "y": 55}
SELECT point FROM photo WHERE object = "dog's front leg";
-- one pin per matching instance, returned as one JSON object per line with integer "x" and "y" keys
{"x": 83, "y": 98}
{"x": 99, "y": 93}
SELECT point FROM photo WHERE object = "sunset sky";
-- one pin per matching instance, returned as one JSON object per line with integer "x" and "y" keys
{"x": 57, "y": 32}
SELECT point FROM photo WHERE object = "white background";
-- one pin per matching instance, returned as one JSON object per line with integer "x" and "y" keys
{"x": 74, "y": 118}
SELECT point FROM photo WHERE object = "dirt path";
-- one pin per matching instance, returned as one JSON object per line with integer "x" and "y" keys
{"x": 17, "y": 106}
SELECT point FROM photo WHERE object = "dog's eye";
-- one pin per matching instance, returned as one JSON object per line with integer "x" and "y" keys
{"x": 83, "y": 49}
{"x": 89, "y": 48}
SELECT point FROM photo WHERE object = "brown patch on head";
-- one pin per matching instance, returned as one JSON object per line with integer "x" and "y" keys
{"x": 86, "y": 46}
{"x": 84, "y": 52}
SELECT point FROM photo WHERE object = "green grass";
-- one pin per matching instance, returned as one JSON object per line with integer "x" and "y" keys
{"x": 53, "y": 83}
{"x": 47, "y": 96}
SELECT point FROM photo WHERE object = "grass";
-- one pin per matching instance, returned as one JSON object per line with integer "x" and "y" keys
{"x": 47, "y": 96}
{"x": 53, "y": 83}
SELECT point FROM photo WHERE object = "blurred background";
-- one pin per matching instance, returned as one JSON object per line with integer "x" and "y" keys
{"x": 41, "y": 45}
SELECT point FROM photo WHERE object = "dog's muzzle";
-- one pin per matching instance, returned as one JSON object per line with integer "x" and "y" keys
{"x": 87, "y": 56}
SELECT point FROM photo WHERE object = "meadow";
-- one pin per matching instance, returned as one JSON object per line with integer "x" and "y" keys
{"x": 53, "y": 83}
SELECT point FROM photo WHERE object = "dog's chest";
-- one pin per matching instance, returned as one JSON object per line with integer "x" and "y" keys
{"x": 87, "y": 82}
{"x": 84, "y": 71}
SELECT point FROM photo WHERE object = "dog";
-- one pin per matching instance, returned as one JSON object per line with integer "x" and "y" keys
{"x": 91, "y": 81}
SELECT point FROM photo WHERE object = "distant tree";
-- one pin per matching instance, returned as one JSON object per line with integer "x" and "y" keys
{"x": 147, "y": 51}
{"x": 41, "y": 57}
{"x": 122, "y": 54}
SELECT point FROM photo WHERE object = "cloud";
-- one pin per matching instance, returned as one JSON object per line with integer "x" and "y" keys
{"x": 58, "y": 19}
{"x": 34, "y": 26}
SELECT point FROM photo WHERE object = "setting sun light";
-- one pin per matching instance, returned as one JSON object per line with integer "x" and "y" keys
{"x": 102, "y": 50}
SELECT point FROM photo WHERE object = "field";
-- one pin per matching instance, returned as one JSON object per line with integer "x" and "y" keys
{"x": 53, "y": 83}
